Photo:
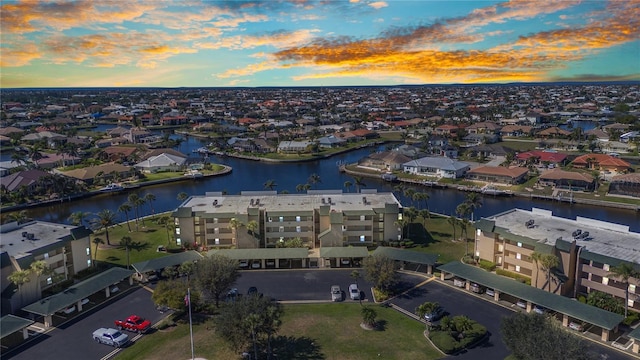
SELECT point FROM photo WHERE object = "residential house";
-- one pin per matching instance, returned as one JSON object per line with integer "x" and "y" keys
{"x": 485, "y": 127}
{"x": 26, "y": 178}
{"x": 553, "y": 132}
{"x": 52, "y": 139}
{"x": 516, "y": 130}
{"x": 601, "y": 162}
{"x": 447, "y": 130}
{"x": 626, "y": 185}
{"x": 439, "y": 167}
{"x": 498, "y": 174}
{"x": 384, "y": 161}
{"x": 562, "y": 179}
{"x": 50, "y": 161}
{"x": 630, "y": 136}
{"x": 331, "y": 141}
{"x": 541, "y": 157}
{"x": 489, "y": 151}
{"x": 106, "y": 172}
{"x": 293, "y": 146}
{"x": 161, "y": 163}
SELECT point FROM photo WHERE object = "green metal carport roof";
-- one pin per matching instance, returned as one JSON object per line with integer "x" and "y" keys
{"x": 79, "y": 291}
{"x": 635, "y": 334}
{"x": 11, "y": 323}
{"x": 169, "y": 260}
{"x": 270, "y": 253}
{"x": 344, "y": 252}
{"x": 406, "y": 255}
{"x": 590, "y": 314}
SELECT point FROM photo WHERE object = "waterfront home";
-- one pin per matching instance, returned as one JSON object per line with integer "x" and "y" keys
{"x": 293, "y": 146}
{"x": 516, "y": 130}
{"x": 106, "y": 172}
{"x": 26, "y": 178}
{"x": 440, "y": 167}
{"x": 626, "y": 184}
{"x": 601, "y": 162}
{"x": 553, "y": 132}
{"x": 562, "y": 179}
{"x": 50, "y": 137}
{"x": 541, "y": 157}
{"x": 498, "y": 174}
{"x": 489, "y": 151}
{"x": 330, "y": 142}
{"x": 161, "y": 163}
{"x": 385, "y": 161}
{"x": 50, "y": 161}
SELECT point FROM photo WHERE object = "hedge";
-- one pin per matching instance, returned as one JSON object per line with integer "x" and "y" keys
{"x": 487, "y": 265}
{"x": 513, "y": 275}
{"x": 445, "y": 342}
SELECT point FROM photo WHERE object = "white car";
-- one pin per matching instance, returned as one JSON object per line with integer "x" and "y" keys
{"x": 256, "y": 264}
{"x": 576, "y": 326}
{"x": 354, "y": 292}
{"x": 336, "y": 293}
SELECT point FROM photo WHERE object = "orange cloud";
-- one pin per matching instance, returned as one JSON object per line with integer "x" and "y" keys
{"x": 378, "y": 4}
{"x": 13, "y": 57}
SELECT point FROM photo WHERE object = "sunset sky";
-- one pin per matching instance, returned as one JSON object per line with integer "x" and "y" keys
{"x": 191, "y": 43}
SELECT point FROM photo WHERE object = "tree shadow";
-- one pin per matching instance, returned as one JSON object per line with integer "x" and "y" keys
{"x": 381, "y": 325}
{"x": 136, "y": 245}
{"x": 301, "y": 348}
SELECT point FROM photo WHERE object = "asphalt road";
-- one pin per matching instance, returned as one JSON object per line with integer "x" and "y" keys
{"x": 73, "y": 340}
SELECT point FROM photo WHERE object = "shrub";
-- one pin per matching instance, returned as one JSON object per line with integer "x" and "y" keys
{"x": 632, "y": 318}
{"x": 582, "y": 299}
{"x": 513, "y": 275}
{"x": 408, "y": 243}
{"x": 445, "y": 342}
{"x": 487, "y": 265}
{"x": 467, "y": 259}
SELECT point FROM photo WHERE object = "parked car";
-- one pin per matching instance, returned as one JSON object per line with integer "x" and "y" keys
{"x": 476, "y": 288}
{"x": 435, "y": 315}
{"x": 134, "y": 323}
{"x": 354, "y": 292}
{"x": 271, "y": 262}
{"x": 459, "y": 283}
{"x": 490, "y": 292}
{"x": 244, "y": 264}
{"x": 539, "y": 310}
{"x": 232, "y": 294}
{"x": 345, "y": 262}
{"x": 521, "y": 304}
{"x": 256, "y": 264}
{"x": 110, "y": 337}
{"x": 336, "y": 293}
{"x": 576, "y": 326}
{"x": 68, "y": 310}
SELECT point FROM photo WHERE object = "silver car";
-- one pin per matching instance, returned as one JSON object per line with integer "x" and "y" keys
{"x": 336, "y": 293}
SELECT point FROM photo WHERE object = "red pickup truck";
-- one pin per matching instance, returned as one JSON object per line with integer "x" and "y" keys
{"x": 134, "y": 323}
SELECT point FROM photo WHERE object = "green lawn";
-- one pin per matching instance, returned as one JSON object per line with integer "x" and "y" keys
{"x": 309, "y": 331}
{"x": 437, "y": 239}
{"x": 520, "y": 145}
{"x": 146, "y": 239}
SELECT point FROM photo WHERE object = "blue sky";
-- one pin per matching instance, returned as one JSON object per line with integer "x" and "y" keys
{"x": 315, "y": 43}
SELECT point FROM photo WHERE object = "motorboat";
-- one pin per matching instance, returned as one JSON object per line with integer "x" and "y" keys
{"x": 111, "y": 188}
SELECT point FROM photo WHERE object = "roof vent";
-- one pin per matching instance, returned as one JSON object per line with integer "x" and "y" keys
{"x": 215, "y": 202}
{"x": 364, "y": 199}
{"x": 529, "y": 224}
{"x": 24, "y": 234}
{"x": 576, "y": 233}
{"x": 30, "y": 236}
{"x": 323, "y": 200}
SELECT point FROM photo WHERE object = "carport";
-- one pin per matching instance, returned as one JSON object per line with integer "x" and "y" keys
{"x": 335, "y": 255}
{"x": 410, "y": 257}
{"x": 262, "y": 255}
{"x": 74, "y": 294}
{"x": 10, "y": 324}
{"x": 160, "y": 263}
{"x": 569, "y": 308}
{"x": 635, "y": 335}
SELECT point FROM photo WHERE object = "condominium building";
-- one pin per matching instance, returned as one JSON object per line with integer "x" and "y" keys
{"x": 65, "y": 249}
{"x": 265, "y": 219}
{"x": 586, "y": 250}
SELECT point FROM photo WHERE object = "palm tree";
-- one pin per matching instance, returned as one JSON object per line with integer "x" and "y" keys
{"x": 410, "y": 214}
{"x": 474, "y": 200}
{"x": 252, "y": 226}
{"x": 19, "y": 217}
{"x": 78, "y": 217}
{"x": 98, "y": 241}
{"x": 357, "y": 180}
{"x": 463, "y": 210}
{"x": 402, "y": 224}
{"x": 453, "y": 221}
{"x": 464, "y": 224}
{"x": 126, "y": 243}
{"x": 105, "y": 219}
{"x": 300, "y": 188}
{"x": 368, "y": 316}
{"x": 314, "y": 179}
{"x": 149, "y": 198}
{"x": 426, "y": 308}
{"x": 624, "y": 271}
{"x": 425, "y": 214}
{"x": 548, "y": 262}
{"x": 125, "y": 208}
{"x": 348, "y": 184}
{"x": 19, "y": 158}
{"x": 536, "y": 257}
{"x": 235, "y": 224}
{"x": 270, "y": 184}
{"x": 20, "y": 278}
{"x": 35, "y": 154}
{"x": 182, "y": 196}
{"x": 136, "y": 201}
{"x": 168, "y": 226}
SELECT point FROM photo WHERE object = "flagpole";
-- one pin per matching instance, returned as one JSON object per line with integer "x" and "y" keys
{"x": 190, "y": 323}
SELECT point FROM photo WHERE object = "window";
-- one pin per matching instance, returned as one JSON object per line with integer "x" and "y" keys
{"x": 216, "y": 241}
{"x": 361, "y": 238}
{"x": 630, "y": 302}
{"x": 281, "y": 229}
{"x": 281, "y": 218}
{"x": 49, "y": 280}
{"x": 88, "y": 251}
{"x": 298, "y": 218}
{"x": 517, "y": 268}
{"x": 362, "y": 217}
{"x": 344, "y": 227}
{"x": 518, "y": 256}
{"x": 605, "y": 267}
{"x": 632, "y": 288}
{"x": 177, "y": 231}
{"x": 215, "y": 220}
{"x": 216, "y": 230}
{"x": 519, "y": 244}
{"x": 605, "y": 281}
{"x": 178, "y": 241}
{"x": 298, "y": 229}
{"x": 89, "y": 262}
{"x": 46, "y": 256}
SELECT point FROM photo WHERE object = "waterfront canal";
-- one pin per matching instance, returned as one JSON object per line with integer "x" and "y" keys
{"x": 251, "y": 175}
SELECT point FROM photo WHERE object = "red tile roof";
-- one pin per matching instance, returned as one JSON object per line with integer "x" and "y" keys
{"x": 552, "y": 157}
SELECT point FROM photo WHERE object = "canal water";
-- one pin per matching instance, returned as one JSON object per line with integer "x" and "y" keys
{"x": 252, "y": 175}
